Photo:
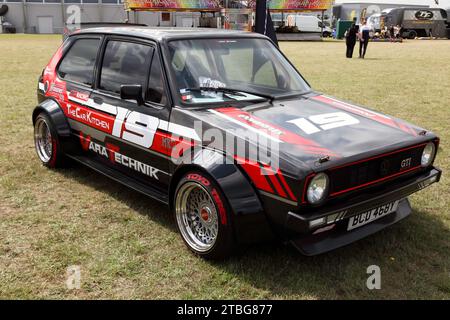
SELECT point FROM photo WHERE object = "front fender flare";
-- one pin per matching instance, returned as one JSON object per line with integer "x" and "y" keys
{"x": 249, "y": 219}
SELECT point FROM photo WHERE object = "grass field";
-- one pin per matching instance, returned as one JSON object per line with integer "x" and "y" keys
{"x": 127, "y": 245}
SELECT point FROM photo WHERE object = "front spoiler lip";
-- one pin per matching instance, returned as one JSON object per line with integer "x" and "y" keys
{"x": 300, "y": 232}
{"x": 312, "y": 245}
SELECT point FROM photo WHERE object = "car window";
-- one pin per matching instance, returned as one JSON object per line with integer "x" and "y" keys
{"x": 191, "y": 64}
{"x": 254, "y": 66}
{"x": 78, "y": 64}
{"x": 239, "y": 64}
{"x": 155, "y": 90}
{"x": 266, "y": 75}
{"x": 124, "y": 63}
{"x": 240, "y": 67}
{"x": 248, "y": 65}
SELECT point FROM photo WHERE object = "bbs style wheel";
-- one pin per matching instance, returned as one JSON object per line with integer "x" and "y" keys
{"x": 46, "y": 142}
{"x": 202, "y": 216}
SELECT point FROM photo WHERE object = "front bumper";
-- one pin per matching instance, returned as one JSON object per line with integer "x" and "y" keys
{"x": 300, "y": 227}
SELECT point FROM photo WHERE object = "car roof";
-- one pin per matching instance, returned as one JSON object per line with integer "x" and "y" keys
{"x": 163, "y": 33}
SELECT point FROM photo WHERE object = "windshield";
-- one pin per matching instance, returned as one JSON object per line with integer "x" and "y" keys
{"x": 240, "y": 70}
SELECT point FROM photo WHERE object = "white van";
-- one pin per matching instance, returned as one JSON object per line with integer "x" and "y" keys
{"x": 374, "y": 22}
{"x": 308, "y": 24}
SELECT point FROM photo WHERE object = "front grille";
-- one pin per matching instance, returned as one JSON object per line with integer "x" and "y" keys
{"x": 370, "y": 171}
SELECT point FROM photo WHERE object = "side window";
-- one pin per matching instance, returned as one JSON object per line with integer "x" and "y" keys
{"x": 155, "y": 90}
{"x": 125, "y": 63}
{"x": 78, "y": 64}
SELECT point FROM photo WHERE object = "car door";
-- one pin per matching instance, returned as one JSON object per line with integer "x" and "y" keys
{"x": 130, "y": 144}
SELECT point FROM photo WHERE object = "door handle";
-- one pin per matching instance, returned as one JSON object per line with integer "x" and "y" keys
{"x": 98, "y": 100}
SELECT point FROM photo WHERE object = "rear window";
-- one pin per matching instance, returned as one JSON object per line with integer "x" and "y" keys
{"x": 125, "y": 63}
{"x": 78, "y": 64}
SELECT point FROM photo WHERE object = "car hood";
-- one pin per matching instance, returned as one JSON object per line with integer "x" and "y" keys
{"x": 315, "y": 127}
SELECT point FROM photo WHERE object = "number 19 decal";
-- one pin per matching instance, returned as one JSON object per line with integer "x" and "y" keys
{"x": 324, "y": 121}
{"x": 135, "y": 127}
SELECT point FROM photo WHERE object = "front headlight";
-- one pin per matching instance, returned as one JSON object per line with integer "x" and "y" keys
{"x": 317, "y": 188}
{"x": 427, "y": 154}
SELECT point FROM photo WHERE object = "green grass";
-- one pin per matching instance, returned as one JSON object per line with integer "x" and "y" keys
{"x": 127, "y": 245}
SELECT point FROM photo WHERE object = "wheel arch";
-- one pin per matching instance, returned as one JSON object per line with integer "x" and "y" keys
{"x": 56, "y": 114}
{"x": 58, "y": 119}
{"x": 249, "y": 220}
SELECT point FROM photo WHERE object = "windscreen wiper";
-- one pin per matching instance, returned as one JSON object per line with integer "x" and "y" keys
{"x": 234, "y": 92}
{"x": 288, "y": 95}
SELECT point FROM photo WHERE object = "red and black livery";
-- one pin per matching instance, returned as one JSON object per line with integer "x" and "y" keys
{"x": 145, "y": 135}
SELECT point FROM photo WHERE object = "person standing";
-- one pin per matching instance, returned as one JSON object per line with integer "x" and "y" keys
{"x": 364, "y": 36}
{"x": 391, "y": 33}
{"x": 397, "y": 31}
{"x": 400, "y": 32}
{"x": 351, "y": 40}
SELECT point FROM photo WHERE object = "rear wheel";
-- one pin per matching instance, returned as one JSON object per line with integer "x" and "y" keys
{"x": 202, "y": 216}
{"x": 46, "y": 142}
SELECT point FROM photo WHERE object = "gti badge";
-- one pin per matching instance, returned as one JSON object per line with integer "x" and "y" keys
{"x": 406, "y": 163}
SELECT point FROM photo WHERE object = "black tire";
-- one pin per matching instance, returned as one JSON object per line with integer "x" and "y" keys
{"x": 223, "y": 245}
{"x": 412, "y": 34}
{"x": 51, "y": 157}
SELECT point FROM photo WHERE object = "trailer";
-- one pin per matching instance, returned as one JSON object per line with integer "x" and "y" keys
{"x": 418, "y": 22}
{"x": 448, "y": 22}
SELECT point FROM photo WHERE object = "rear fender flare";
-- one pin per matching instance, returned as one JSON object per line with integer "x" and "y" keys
{"x": 56, "y": 114}
{"x": 59, "y": 121}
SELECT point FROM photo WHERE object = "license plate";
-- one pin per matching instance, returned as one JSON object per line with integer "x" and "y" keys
{"x": 372, "y": 215}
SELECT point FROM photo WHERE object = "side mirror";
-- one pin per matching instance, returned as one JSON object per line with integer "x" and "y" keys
{"x": 132, "y": 92}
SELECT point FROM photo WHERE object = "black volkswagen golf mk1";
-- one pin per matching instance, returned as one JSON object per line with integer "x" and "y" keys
{"x": 220, "y": 126}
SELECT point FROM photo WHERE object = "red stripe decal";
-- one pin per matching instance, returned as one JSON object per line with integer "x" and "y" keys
{"x": 306, "y": 185}
{"x": 286, "y": 186}
{"x": 366, "y": 113}
{"x": 274, "y": 131}
{"x": 276, "y": 184}
{"x": 166, "y": 143}
{"x": 254, "y": 171}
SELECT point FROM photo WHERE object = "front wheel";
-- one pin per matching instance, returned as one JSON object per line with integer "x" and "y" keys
{"x": 202, "y": 216}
